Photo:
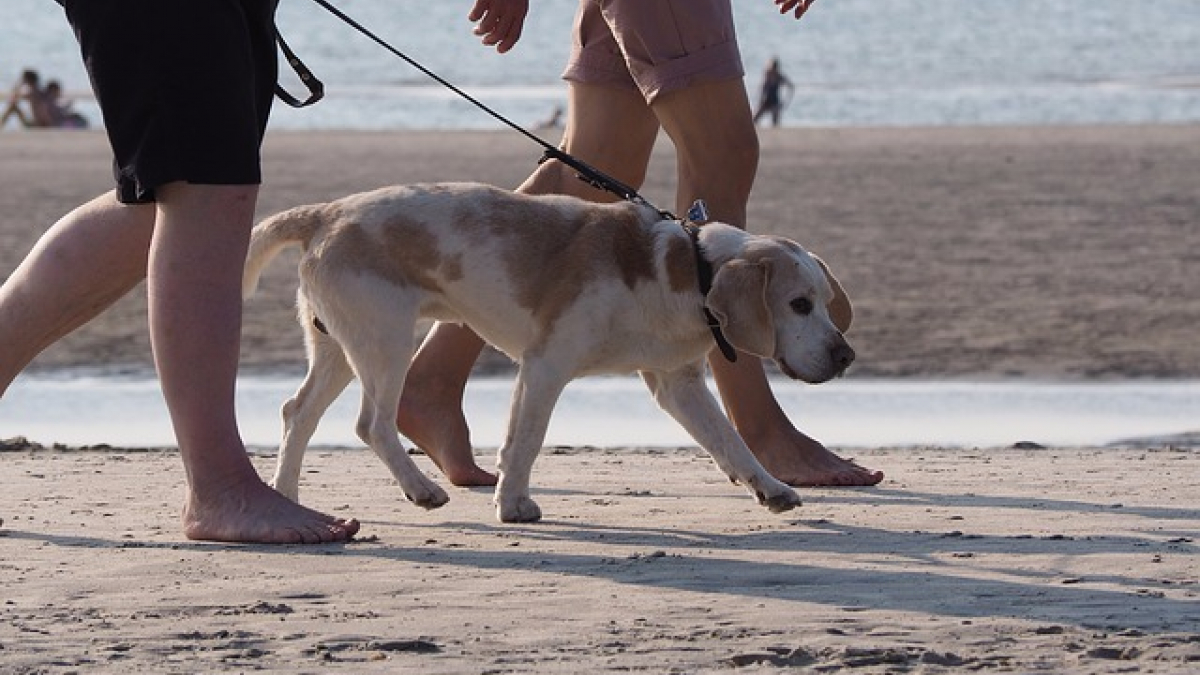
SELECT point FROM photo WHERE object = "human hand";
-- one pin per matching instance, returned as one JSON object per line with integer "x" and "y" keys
{"x": 499, "y": 22}
{"x": 800, "y": 6}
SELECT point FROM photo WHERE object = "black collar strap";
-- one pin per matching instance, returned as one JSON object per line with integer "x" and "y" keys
{"x": 704, "y": 275}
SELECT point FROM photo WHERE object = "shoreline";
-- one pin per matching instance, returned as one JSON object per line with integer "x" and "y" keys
{"x": 618, "y": 411}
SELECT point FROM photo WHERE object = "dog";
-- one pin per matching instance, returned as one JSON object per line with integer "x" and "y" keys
{"x": 564, "y": 287}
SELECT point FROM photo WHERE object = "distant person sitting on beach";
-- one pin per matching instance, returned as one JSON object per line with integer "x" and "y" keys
{"x": 28, "y": 92}
{"x": 46, "y": 108}
{"x": 770, "y": 100}
{"x": 60, "y": 111}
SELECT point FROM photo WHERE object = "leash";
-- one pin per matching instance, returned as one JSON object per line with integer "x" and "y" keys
{"x": 584, "y": 171}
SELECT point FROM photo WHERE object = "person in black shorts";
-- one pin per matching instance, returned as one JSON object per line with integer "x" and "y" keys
{"x": 185, "y": 90}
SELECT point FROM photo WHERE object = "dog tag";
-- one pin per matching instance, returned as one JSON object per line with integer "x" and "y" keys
{"x": 698, "y": 212}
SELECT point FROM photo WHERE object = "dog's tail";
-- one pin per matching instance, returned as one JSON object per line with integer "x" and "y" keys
{"x": 295, "y": 226}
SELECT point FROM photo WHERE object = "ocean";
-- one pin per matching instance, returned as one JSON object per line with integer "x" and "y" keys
{"x": 619, "y": 411}
{"x": 853, "y": 62}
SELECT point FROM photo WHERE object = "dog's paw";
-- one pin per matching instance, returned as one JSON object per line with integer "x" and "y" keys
{"x": 427, "y": 496}
{"x": 779, "y": 502}
{"x": 523, "y": 510}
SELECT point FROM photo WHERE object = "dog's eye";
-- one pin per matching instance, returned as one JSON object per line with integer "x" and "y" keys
{"x": 802, "y": 306}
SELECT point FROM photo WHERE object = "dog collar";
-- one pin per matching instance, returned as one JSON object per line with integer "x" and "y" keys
{"x": 704, "y": 276}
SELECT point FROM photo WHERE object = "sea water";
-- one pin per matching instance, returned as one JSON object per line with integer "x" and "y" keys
{"x": 853, "y": 62}
{"x": 618, "y": 411}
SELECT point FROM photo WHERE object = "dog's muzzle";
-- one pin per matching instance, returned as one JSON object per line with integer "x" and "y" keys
{"x": 840, "y": 357}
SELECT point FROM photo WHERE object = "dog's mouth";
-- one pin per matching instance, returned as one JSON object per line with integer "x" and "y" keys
{"x": 787, "y": 369}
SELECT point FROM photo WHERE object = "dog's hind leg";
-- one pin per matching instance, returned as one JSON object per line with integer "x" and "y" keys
{"x": 328, "y": 375}
{"x": 685, "y": 396}
{"x": 536, "y": 391}
{"x": 374, "y": 323}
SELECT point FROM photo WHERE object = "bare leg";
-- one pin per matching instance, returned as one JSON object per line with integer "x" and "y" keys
{"x": 194, "y": 281}
{"x": 430, "y": 412}
{"x": 67, "y": 279}
{"x": 717, "y": 150}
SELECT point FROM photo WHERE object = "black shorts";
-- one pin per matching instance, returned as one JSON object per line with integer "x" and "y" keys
{"x": 184, "y": 86}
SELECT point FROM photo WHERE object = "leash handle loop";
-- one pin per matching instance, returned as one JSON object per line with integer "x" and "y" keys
{"x": 316, "y": 88}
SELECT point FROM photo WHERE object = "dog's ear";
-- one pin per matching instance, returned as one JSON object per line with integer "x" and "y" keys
{"x": 840, "y": 310}
{"x": 738, "y": 300}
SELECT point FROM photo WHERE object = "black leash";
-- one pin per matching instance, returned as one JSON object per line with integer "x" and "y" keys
{"x": 587, "y": 173}
{"x": 584, "y": 171}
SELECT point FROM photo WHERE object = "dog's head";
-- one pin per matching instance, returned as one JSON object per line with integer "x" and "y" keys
{"x": 778, "y": 301}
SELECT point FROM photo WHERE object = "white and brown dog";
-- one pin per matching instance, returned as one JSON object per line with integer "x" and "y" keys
{"x": 564, "y": 287}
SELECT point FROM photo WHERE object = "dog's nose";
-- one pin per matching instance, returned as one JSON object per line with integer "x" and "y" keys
{"x": 842, "y": 356}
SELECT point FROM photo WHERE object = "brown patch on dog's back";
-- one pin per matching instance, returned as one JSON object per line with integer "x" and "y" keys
{"x": 404, "y": 252}
{"x": 681, "y": 265}
{"x": 633, "y": 249}
{"x": 569, "y": 248}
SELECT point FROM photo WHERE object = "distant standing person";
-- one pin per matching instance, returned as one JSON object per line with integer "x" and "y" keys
{"x": 770, "y": 100}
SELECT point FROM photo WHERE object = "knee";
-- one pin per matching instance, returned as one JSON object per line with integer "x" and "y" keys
{"x": 741, "y": 148}
{"x": 742, "y": 161}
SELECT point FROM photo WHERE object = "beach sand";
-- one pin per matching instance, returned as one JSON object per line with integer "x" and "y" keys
{"x": 1057, "y": 561}
{"x": 1040, "y": 253}
{"x": 1060, "y": 252}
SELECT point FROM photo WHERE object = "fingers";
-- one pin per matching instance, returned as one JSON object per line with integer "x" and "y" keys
{"x": 797, "y": 6}
{"x": 499, "y": 22}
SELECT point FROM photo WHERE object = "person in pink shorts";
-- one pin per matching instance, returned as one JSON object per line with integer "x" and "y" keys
{"x": 639, "y": 66}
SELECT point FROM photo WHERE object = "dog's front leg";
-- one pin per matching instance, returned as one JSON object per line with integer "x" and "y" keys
{"x": 684, "y": 395}
{"x": 536, "y": 391}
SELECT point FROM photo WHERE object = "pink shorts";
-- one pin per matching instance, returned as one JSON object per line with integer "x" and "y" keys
{"x": 654, "y": 46}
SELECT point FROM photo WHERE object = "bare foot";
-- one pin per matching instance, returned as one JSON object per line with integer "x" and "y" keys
{"x": 447, "y": 443}
{"x": 801, "y": 461}
{"x": 249, "y": 511}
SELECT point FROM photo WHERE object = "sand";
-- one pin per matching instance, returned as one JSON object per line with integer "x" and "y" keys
{"x": 1037, "y": 253}
{"x": 1061, "y": 252}
{"x": 1010, "y": 561}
